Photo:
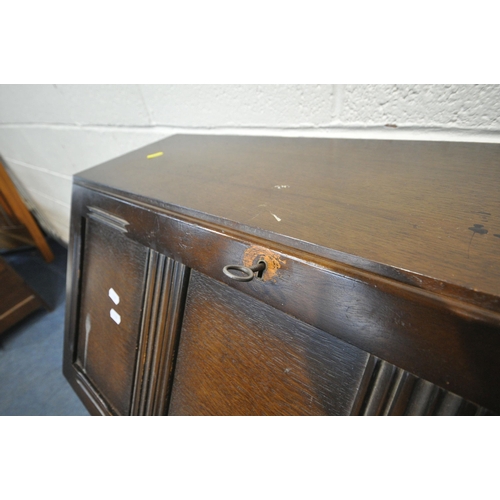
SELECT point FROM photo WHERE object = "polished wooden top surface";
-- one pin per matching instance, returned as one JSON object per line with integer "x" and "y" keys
{"x": 429, "y": 211}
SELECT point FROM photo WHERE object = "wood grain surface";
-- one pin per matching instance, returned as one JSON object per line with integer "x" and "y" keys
{"x": 430, "y": 211}
{"x": 107, "y": 347}
{"x": 381, "y": 293}
{"x": 238, "y": 356}
{"x": 162, "y": 313}
{"x": 445, "y": 341}
{"x": 388, "y": 390}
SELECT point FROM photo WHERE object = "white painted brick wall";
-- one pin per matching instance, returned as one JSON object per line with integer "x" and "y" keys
{"x": 50, "y": 132}
{"x": 73, "y": 105}
{"x": 239, "y": 105}
{"x": 464, "y": 106}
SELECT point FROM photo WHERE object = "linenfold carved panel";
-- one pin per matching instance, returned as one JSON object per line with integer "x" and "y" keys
{"x": 162, "y": 316}
{"x": 388, "y": 390}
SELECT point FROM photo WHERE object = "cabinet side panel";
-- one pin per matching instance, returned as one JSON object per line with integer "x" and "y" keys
{"x": 238, "y": 356}
{"x": 109, "y": 321}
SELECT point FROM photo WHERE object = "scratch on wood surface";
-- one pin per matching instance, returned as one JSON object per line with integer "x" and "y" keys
{"x": 476, "y": 228}
{"x": 281, "y": 186}
{"x": 259, "y": 212}
{"x": 275, "y": 216}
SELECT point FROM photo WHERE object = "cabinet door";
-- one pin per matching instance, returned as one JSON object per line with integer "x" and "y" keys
{"x": 239, "y": 356}
{"x": 112, "y": 288}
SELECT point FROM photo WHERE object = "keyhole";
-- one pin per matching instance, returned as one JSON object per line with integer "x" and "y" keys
{"x": 261, "y": 272}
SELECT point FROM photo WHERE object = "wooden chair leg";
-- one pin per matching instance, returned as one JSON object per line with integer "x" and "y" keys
{"x": 22, "y": 213}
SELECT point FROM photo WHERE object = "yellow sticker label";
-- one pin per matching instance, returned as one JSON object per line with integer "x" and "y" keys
{"x": 154, "y": 155}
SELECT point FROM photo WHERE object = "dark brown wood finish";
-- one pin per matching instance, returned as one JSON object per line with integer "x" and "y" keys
{"x": 394, "y": 321}
{"x": 238, "y": 356}
{"x": 407, "y": 205}
{"x": 388, "y": 390}
{"x": 109, "y": 329}
{"x": 162, "y": 316}
{"x": 437, "y": 335}
{"x": 17, "y": 299}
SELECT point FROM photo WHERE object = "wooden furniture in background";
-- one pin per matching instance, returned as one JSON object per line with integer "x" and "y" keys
{"x": 380, "y": 293}
{"x": 15, "y": 216}
{"x": 17, "y": 299}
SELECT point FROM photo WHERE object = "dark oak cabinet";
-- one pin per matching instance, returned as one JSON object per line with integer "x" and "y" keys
{"x": 379, "y": 293}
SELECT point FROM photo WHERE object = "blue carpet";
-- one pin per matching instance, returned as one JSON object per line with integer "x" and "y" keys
{"x": 31, "y": 379}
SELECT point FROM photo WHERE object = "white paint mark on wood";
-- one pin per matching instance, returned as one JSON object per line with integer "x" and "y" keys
{"x": 115, "y": 316}
{"x": 114, "y": 296}
{"x": 88, "y": 326}
{"x": 275, "y": 216}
